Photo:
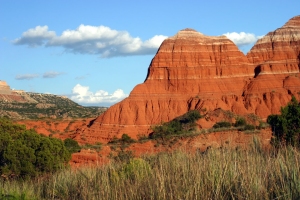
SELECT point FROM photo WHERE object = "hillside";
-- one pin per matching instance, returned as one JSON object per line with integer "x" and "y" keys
{"x": 27, "y": 105}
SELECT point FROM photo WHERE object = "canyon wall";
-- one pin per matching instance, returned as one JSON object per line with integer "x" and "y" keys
{"x": 194, "y": 71}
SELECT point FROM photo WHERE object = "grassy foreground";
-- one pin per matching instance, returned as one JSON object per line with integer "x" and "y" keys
{"x": 215, "y": 174}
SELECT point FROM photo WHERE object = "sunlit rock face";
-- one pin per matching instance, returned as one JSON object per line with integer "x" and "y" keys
{"x": 194, "y": 71}
{"x": 276, "y": 59}
{"x": 4, "y": 88}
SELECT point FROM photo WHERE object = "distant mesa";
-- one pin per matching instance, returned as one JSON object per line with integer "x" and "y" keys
{"x": 4, "y": 88}
{"x": 22, "y": 105}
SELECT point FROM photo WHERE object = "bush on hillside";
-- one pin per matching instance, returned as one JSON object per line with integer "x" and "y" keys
{"x": 25, "y": 153}
{"x": 247, "y": 127}
{"x": 126, "y": 139}
{"x": 286, "y": 126}
{"x": 222, "y": 124}
{"x": 177, "y": 126}
{"x": 72, "y": 145}
{"x": 240, "y": 122}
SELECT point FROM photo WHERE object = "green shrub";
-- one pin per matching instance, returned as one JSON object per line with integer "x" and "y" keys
{"x": 240, "y": 122}
{"x": 126, "y": 139}
{"x": 286, "y": 126}
{"x": 222, "y": 124}
{"x": 190, "y": 117}
{"x": 72, "y": 145}
{"x": 177, "y": 126}
{"x": 24, "y": 153}
{"x": 97, "y": 146}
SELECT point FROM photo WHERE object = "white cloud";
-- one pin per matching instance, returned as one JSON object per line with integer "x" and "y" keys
{"x": 26, "y": 76}
{"x": 242, "y": 38}
{"x": 52, "y": 74}
{"x": 35, "y": 36}
{"x": 99, "y": 40}
{"x": 82, "y": 94}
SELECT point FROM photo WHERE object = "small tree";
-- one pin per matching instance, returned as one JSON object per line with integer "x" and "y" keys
{"x": 72, "y": 145}
{"x": 286, "y": 126}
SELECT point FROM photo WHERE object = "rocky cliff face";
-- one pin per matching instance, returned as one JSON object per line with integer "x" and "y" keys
{"x": 276, "y": 62}
{"x": 194, "y": 71}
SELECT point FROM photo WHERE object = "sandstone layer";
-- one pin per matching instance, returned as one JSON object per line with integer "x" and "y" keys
{"x": 195, "y": 71}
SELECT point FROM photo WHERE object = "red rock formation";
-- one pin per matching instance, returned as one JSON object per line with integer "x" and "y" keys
{"x": 194, "y": 71}
{"x": 276, "y": 59}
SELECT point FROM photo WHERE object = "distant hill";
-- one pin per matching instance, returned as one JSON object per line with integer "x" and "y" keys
{"x": 27, "y": 105}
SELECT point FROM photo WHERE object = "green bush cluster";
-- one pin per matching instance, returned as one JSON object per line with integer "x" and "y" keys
{"x": 177, "y": 126}
{"x": 24, "y": 153}
{"x": 97, "y": 146}
{"x": 72, "y": 145}
{"x": 286, "y": 126}
{"x": 125, "y": 139}
{"x": 240, "y": 123}
{"x": 222, "y": 124}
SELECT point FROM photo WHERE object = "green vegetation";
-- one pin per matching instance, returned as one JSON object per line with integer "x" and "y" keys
{"x": 47, "y": 106}
{"x": 125, "y": 139}
{"x": 217, "y": 174}
{"x": 72, "y": 145}
{"x": 222, "y": 124}
{"x": 240, "y": 125}
{"x": 240, "y": 122}
{"x": 178, "y": 126}
{"x": 24, "y": 153}
{"x": 97, "y": 147}
{"x": 286, "y": 126}
{"x": 248, "y": 127}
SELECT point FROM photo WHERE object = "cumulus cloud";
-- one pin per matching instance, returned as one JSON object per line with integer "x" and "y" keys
{"x": 52, "y": 74}
{"x": 99, "y": 40}
{"x": 35, "y": 36}
{"x": 82, "y": 94}
{"x": 242, "y": 38}
{"x": 26, "y": 76}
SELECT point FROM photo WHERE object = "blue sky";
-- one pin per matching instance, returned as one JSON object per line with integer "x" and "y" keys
{"x": 95, "y": 52}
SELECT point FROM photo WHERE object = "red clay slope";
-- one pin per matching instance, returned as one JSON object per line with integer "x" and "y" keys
{"x": 194, "y": 71}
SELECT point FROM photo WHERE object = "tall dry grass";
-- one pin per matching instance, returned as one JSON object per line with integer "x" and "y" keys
{"x": 215, "y": 174}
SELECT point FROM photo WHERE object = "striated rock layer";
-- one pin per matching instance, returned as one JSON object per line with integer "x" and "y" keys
{"x": 194, "y": 71}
